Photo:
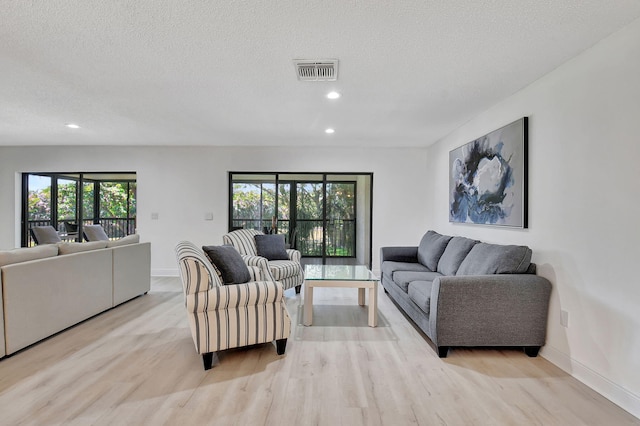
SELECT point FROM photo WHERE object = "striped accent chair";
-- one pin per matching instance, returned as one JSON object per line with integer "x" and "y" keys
{"x": 229, "y": 316}
{"x": 289, "y": 272}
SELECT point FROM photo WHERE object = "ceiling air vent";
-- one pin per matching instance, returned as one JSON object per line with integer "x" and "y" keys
{"x": 316, "y": 70}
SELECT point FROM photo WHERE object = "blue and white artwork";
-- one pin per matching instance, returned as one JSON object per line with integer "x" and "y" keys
{"x": 488, "y": 178}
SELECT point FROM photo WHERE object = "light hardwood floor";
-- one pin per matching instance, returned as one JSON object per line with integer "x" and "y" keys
{"x": 136, "y": 365}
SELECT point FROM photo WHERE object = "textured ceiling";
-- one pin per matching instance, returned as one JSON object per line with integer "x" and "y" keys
{"x": 188, "y": 72}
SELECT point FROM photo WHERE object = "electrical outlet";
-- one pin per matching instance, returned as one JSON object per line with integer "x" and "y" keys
{"x": 564, "y": 318}
{"x": 154, "y": 216}
{"x": 208, "y": 216}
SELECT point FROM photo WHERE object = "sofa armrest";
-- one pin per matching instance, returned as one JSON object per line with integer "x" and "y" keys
{"x": 263, "y": 267}
{"x": 227, "y": 297}
{"x": 399, "y": 254}
{"x": 489, "y": 310}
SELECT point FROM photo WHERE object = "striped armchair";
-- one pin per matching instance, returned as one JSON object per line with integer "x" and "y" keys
{"x": 229, "y": 316}
{"x": 289, "y": 272}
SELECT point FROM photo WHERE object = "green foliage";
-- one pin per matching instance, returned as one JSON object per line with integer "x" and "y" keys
{"x": 39, "y": 204}
{"x": 113, "y": 199}
{"x": 67, "y": 200}
{"x": 254, "y": 204}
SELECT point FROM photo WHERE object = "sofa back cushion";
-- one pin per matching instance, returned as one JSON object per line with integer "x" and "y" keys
{"x": 69, "y": 248}
{"x": 129, "y": 239}
{"x": 8, "y": 257}
{"x": 456, "y": 251}
{"x": 484, "y": 259}
{"x": 431, "y": 248}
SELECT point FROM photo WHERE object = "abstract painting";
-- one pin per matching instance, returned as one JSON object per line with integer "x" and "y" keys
{"x": 488, "y": 178}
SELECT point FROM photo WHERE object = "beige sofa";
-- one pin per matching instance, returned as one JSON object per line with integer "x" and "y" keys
{"x": 49, "y": 288}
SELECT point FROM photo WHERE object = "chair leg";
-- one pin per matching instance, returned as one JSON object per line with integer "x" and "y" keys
{"x": 281, "y": 344}
{"x": 443, "y": 351}
{"x": 298, "y": 287}
{"x": 207, "y": 360}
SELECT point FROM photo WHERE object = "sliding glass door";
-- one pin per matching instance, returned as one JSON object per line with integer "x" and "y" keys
{"x": 317, "y": 212}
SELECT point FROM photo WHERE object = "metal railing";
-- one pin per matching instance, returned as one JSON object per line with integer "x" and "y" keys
{"x": 340, "y": 235}
{"x": 114, "y": 227}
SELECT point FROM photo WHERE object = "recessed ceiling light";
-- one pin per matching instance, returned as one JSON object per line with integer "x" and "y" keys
{"x": 333, "y": 95}
{"x": 329, "y": 131}
{"x": 72, "y": 126}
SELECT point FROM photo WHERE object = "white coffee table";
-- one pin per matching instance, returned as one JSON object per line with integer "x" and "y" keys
{"x": 350, "y": 276}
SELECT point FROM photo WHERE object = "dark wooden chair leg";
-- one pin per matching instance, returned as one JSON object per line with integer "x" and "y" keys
{"x": 298, "y": 287}
{"x": 443, "y": 351}
{"x": 532, "y": 351}
{"x": 281, "y": 344}
{"x": 207, "y": 360}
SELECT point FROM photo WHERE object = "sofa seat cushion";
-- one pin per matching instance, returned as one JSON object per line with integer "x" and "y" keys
{"x": 484, "y": 259}
{"x": 390, "y": 267}
{"x": 403, "y": 278}
{"x": 457, "y": 249}
{"x": 431, "y": 248}
{"x": 281, "y": 269}
{"x": 420, "y": 293}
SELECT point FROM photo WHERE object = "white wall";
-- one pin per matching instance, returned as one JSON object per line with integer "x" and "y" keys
{"x": 584, "y": 207}
{"x": 182, "y": 184}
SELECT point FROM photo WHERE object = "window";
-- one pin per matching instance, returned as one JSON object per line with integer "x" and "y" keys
{"x": 323, "y": 215}
{"x": 71, "y": 200}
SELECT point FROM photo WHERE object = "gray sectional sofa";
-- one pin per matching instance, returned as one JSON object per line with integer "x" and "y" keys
{"x": 462, "y": 292}
{"x": 48, "y": 288}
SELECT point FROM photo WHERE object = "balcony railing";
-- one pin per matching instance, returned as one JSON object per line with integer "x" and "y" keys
{"x": 341, "y": 235}
{"x": 114, "y": 227}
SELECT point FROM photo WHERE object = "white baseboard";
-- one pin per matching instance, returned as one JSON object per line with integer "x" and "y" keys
{"x": 612, "y": 391}
{"x": 165, "y": 272}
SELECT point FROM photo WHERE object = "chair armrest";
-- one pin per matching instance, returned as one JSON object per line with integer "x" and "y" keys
{"x": 294, "y": 255}
{"x": 489, "y": 310}
{"x": 263, "y": 266}
{"x": 399, "y": 254}
{"x": 255, "y": 293}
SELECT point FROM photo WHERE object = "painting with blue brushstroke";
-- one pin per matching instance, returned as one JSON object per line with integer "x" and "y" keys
{"x": 488, "y": 178}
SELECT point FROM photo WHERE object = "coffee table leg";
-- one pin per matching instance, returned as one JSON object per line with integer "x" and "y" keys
{"x": 373, "y": 305}
{"x": 308, "y": 304}
{"x": 361, "y": 296}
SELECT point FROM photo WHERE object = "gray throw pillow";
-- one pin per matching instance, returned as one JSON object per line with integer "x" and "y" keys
{"x": 431, "y": 248}
{"x": 94, "y": 233}
{"x": 45, "y": 235}
{"x": 271, "y": 246}
{"x": 229, "y": 262}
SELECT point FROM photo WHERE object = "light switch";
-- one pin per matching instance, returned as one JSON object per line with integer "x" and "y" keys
{"x": 208, "y": 216}
{"x": 154, "y": 216}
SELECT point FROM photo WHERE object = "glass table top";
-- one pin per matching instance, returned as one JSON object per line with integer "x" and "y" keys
{"x": 338, "y": 273}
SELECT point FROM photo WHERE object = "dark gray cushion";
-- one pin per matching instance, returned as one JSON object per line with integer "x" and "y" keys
{"x": 457, "y": 249}
{"x": 229, "y": 262}
{"x": 403, "y": 278}
{"x": 271, "y": 246}
{"x": 431, "y": 248}
{"x": 420, "y": 293}
{"x": 486, "y": 259}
